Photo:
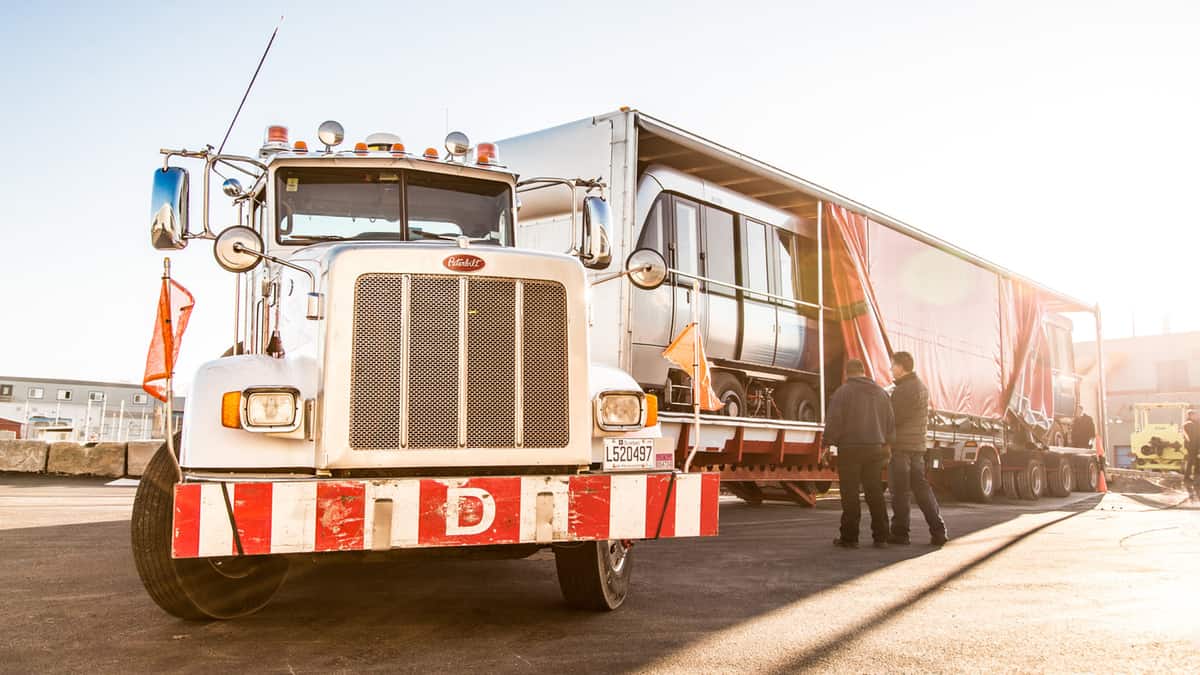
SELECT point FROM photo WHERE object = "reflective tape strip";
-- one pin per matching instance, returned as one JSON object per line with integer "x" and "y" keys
{"x": 338, "y": 515}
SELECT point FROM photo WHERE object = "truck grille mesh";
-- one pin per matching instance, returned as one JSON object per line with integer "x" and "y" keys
{"x": 515, "y": 389}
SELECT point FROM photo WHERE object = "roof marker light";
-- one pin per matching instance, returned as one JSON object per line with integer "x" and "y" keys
{"x": 485, "y": 153}
{"x": 300, "y": 146}
{"x": 360, "y": 148}
{"x": 431, "y": 153}
{"x": 398, "y": 149}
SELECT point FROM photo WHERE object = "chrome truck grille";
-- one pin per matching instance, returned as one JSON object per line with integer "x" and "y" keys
{"x": 453, "y": 362}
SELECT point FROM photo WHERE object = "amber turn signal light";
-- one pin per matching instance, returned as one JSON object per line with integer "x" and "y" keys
{"x": 231, "y": 410}
{"x": 651, "y": 410}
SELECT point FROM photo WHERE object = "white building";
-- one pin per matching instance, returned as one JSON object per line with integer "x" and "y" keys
{"x": 82, "y": 410}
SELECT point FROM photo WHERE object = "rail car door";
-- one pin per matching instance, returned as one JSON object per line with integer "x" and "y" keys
{"x": 685, "y": 256}
{"x": 719, "y": 261}
{"x": 651, "y": 311}
{"x": 757, "y": 311}
{"x": 795, "y": 280}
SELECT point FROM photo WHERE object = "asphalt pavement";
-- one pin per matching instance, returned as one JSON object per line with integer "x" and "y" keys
{"x": 1086, "y": 584}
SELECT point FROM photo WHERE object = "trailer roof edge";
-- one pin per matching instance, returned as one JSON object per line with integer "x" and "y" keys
{"x": 707, "y": 146}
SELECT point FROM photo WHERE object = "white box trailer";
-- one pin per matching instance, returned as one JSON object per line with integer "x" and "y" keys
{"x": 787, "y": 279}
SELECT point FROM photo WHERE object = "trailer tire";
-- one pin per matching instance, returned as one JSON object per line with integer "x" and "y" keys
{"x": 594, "y": 574}
{"x": 745, "y": 490}
{"x": 1008, "y": 479}
{"x": 1031, "y": 480}
{"x": 979, "y": 480}
{"x": 730, "y": 393}
{"x": 1062, "y": 480}
{"x": 200, "y": 588}
{"x": 799, "y": 401}
{"x": 1089, "y": 476}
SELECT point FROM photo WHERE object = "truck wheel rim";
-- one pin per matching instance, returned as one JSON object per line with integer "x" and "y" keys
{"x": 985, "y": 479}
{"x": 616, "y": 557}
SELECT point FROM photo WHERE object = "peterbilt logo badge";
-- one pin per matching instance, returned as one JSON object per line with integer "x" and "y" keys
{"x": 463, "y": 263}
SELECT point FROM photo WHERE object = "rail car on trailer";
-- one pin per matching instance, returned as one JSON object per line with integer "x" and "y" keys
{"x": 788, "y": 279}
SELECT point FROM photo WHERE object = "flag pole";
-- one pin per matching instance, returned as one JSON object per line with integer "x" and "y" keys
{"x": 169, "y": 349}
{"x": 695, "y": 376}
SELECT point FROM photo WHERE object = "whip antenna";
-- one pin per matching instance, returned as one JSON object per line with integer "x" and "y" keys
{"x": 250, "y": 86}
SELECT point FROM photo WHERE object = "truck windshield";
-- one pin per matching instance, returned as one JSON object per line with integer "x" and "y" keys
{"x": 326, "y": 204}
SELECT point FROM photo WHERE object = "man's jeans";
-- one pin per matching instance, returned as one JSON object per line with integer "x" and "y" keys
{"x": 862, "y": 466}
{"x": 907, "y": 470}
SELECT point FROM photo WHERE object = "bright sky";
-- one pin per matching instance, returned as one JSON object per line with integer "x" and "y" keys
{"x": 1056, "y": 138}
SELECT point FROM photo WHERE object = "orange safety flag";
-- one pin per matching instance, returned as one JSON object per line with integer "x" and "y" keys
{"x": 684, "y": 351}
{"x": 174, "y": 307}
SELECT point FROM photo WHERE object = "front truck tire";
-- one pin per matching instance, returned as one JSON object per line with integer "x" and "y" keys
{"x": 196, "y": 589}
{"x": 594, "y": 574}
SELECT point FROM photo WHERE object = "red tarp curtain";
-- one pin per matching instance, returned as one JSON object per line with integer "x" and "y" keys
{"x": 965, "y": 326}
{"x": 854, "y": 298}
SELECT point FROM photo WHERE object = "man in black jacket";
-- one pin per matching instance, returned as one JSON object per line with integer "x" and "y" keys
{"x": 1191, "y": 434}
{"x": 859, "y": 422}
{"x": 910, "y": 403}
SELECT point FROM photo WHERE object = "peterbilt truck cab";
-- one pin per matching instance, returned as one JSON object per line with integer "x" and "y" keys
{"x": 402, "y": 378}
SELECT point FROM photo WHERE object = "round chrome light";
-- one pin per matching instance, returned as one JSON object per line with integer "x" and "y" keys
{"x": 457, "y": 143}
{"x": 330, "y": 133}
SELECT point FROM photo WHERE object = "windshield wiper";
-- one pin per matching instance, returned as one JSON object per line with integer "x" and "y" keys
{"x": 316, "y": 237}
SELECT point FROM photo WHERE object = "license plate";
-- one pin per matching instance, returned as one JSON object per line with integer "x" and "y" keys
{"x": 628, "y": 453}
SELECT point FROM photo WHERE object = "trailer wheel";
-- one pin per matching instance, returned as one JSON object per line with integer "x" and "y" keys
{"x": 980, "y": 480}
{"x": 799, "y": 401}
{"x": 594, "y": 574}
{"x": 1089, "y": 476}
{"x": 196, "y": 589}
{"x": 1009, "y": 480}
{"x": 745, "y": 490}
{"x": 1031, "y": 480}
{"x": 1062, "y": 480}
{"x": 730, "y": 393}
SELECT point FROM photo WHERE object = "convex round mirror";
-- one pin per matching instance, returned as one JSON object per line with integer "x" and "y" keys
{"x": 330, "y": 133}
{"x": 457, "y": 143}
{"x": 238, "y": 249}
{"x": 647, "y": 268}
{"x": 232, "y": 188}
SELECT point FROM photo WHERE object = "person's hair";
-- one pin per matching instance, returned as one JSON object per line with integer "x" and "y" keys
{"x": 855, "y": 368}
{"x": 904, "y": 360}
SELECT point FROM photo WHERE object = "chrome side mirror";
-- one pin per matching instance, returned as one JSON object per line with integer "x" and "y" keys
{"x": 232, "y": 188}
{"x": 647, "y": 269}
{"x": 597, "y": 251}
{"x": 238, "y": 249}
{"x": 169, "y": 209}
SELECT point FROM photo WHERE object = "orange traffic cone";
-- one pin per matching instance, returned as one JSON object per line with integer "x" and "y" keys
{"x": 1102, "y": 486}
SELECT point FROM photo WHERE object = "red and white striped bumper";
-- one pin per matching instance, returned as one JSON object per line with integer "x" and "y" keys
{"x": 359, "y": 515}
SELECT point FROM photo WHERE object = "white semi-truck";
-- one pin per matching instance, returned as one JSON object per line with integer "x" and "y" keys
{"x": 402, "y": 377}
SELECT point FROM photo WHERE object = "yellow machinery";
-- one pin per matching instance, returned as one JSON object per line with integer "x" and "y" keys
{"x": 1157, "y": 441}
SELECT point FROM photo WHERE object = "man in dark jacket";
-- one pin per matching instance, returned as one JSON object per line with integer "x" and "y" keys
{"x": 910, "y": 403}
{"x": 1083, "y": 429}
{"x": 1191, "y": 433}
{"x": 859, "y": 422}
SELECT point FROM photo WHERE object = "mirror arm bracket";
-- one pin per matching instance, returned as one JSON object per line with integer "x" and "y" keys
{"x": 316, "y": 302}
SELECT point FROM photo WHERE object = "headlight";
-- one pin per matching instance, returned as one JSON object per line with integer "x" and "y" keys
{"x": 270, "y": 409}
{"x": 621, "y": 410}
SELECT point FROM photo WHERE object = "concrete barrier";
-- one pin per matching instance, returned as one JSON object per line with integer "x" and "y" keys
{"x": 102, "y": 459}
{"x": 138, "y": 456}
{"x": 24, "y": 456}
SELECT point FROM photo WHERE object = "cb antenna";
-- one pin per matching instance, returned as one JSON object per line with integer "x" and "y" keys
{"x": 251, "y": 85}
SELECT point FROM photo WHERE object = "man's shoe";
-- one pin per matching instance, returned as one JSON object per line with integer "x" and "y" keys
{"x": 880, "y": 543}
{"x": 898, "y": 540}
{"x": 939, "y": 540}
{"x": 844, "y": 543}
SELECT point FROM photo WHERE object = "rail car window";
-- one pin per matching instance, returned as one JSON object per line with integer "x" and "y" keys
{"x": 687, "y": 238}
{"x": 788, "y": 265}
{"x": 756, "y": 257}
{"x": 719, "y": 250}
